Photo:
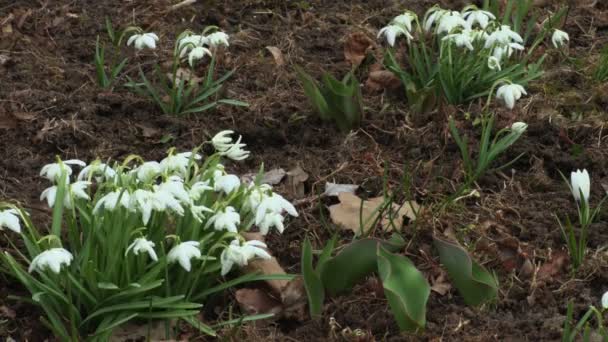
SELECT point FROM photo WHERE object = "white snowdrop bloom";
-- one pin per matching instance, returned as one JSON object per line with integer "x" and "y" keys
{"x": 256, "y": 195}
{"x": 144, "y": 201}
{"x": 52, "y": 259}
{"x": 113, "y": 199}
{"x": 178, "y": 163}
{"x": 271, "y": 220}
{"x": 274, "y": 203}
{"x": 175, "y": 186}
{"x": 449, "y": 21}
{"x": 478, "y": 16}
{"x": 237, "y": 254}
{"x": 405, "y": 20}
{"x": 197, "y": 189}
{"x": 198, "y": 212}
{"x": 53, "y": 171}
{"x": 519, "y": 127}
{"x": 507, "y": 50}
{"x": 164, "y": 200}
{"x": 197, "y": 53}
{"x": 144, "y": 40}
{"x": 222, "y": 141}
{"x": 190, "y": 42}
{"x": 605, "y": 301}
{"x": 102, "y": 170}
{"x": 227, "y": 219}
{"x": 142, "y": 245}
{"x": 216, "y": 39}
{"x": 503, "y": 36}
{"x": 581, "y": 184}
{"x": 236, "y": 152}
{"x": 463, "y": 39}
{"x": 559, "y": 38}
{"x": 148, "y": 171}
{"x": 391, "y": 32}
{"x": 183, "y": 253}
{"x": 225, "y": 183}
{"x": 510, "y": 93}
{"x": 9, "y": 218}
{"x": 432, "y": 16}
{"x": 494, "y": 63}
{"x": 76, "y": 189}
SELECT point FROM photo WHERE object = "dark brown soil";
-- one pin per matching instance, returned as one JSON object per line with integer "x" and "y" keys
{"x": 50, "y": 105}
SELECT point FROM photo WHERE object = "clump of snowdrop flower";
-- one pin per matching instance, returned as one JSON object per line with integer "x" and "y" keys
{"x": 143, "y": 40}
{"x": 510, "y": 93}
{"x": 51, "y": 259}
{"x": 136, "y": 224}
{"x": 472, "y": 42}
{"x": 559, "y": 38}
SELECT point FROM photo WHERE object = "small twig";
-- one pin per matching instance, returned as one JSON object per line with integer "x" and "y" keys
{"x": 181, "y": 4}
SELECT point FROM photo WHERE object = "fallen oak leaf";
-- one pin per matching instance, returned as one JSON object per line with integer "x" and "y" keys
{"x": 356, "y": 47}
{"x": 256, "y": 301}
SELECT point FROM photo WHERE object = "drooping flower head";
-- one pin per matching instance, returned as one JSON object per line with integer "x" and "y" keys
{"x": 183, "y": 253}
{"x": 9, "y": 218}
{"x": 581, "y": 185}
{"x": 51, "y": 259}
{"x": 240, "y": 254}
{"x": 143, "y": 40}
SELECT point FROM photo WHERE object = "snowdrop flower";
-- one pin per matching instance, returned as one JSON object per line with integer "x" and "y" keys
{"x": 225, "y": 183}
{"x": 197, "y": 189}
{"x": 148, "y": 171}
{"x": 9, "y": 218}
{"x": 256, "y": 195}
{"x": 53, "y": 171}
{"x": 197, "y": 53}
{"x": 183, "y": 252}
{"x": 559, "y": 38}
{"x": 581, "y": 184}
{"x": 164, "y": 200}
{"x": 519, "y": 127}
{"x": 392, "y": 32}
{"x": 463, "y": 39}
{"x": 216, "y": 39}
{"x": 76, "y": 189}
{"x": 144, "y": 40}
{"x": 111, "y": 200}
{"x": 506, "y": 50}
{"x": 222, "y": 141}
{"x": 142, "y": 245}
{"x": 175, "y": 186}
{"x": 478, "y": 16}
{"x": 504, "y": 35}
{"x": 271, "y": 220}
{"x": 432, "y": 16}
{"x": 237, "y": 254}
{"x": 53, "y": 259}
{"x": 97, "y": 168}
{"x": 494, "y": 63}
{"x": 144, "y": 201}
{"x": 198, "y": 212}
{"x": 274, "y": 203}
{"x": 178, "y": 162}
{"x": 405, "y": 20}
{"x": 190, "y": 42}
{"x": 510, "y": 93}
{"x": 449, "y": 21}
{"x": 228, "y": 219}
{"x": 236, "y": 152}
{"x": 605, "y": 301}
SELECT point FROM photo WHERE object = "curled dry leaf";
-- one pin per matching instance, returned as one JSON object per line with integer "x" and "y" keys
{"x": 440, "y": 283}
{"x": 353, "y": 213}
{"x": 333, "y": 189}
{"x": 256, "y": 301}
{"x": 277, "y": 55}
{"x": 553, "y": 267}
{"x": 382, "y": 79}
{"x": 356, "y": 47}
{"x": 272, "y": 177}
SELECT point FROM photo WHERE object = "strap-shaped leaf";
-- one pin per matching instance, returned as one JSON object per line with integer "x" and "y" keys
{"x": 405, "y": 288}
{"x": 354, "y": 262}
{"x": 474, "y": 283}
{"x": 313, "y": 93}
{"x": 312, "y": 281}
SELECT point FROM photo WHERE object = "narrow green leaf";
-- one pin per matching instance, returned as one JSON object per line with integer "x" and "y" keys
{"x": 474, "y": 283}
{"x": 405, "y": 288}
{"x": 312, "y": 282}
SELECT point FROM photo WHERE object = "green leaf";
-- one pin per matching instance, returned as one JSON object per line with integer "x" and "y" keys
{"x": 202, "y": 327}
{"x": 405, "y": 288}
{"x": 234, "y": 102}
{"x": 474, "y": 283}
{"x": 107, "y": 286}
{"x": 354, "y": 262}
{"x": 312, "y": 281}
{"x": 313, "y": 93}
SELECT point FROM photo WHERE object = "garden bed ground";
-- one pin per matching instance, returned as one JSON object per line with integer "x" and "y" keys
{"x": 50, "y": 105}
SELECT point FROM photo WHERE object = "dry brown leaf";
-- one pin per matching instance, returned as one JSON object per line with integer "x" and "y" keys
{"x": 267, "y": 267}
{"x": 256, "y": 301}
{"x": 382, "y": 79}
{"x": 348, "y": 213}
{"x": 356, "y": 47}
{"x": 148, "y": 132}
{"x": 440, "y": 283}
{"x": 553, "y": 267}
{"x": 277, "y": 55}
{"x": 294, "y": 300}
{"x": 295, "y": 179}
